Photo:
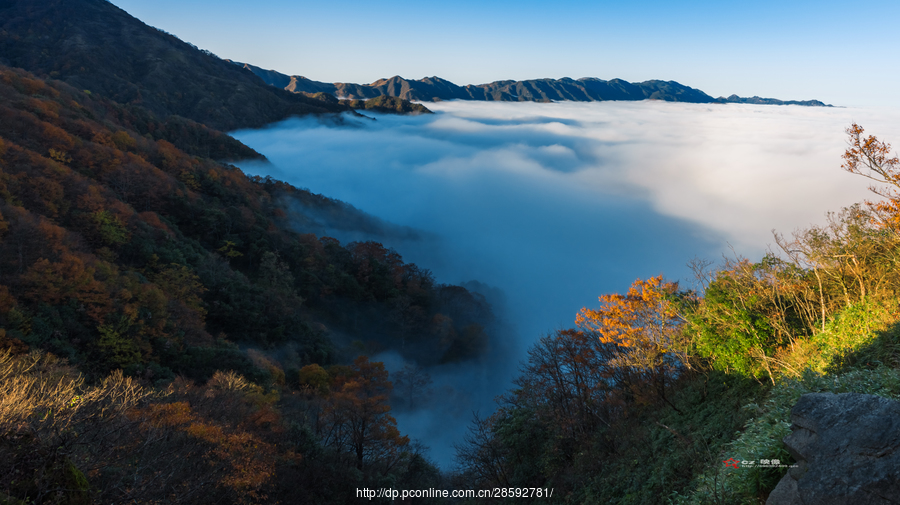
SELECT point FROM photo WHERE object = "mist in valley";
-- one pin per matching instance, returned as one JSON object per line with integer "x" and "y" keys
{"x": 540, "y": 208}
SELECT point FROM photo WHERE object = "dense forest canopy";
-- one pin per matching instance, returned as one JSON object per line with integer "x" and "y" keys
{"x": 123, "y": 251}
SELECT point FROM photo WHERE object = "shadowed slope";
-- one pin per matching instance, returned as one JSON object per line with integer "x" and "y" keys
{"x": 94, "y": 45}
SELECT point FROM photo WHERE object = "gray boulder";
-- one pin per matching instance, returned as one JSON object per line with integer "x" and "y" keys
{"x": 847, "y": 448}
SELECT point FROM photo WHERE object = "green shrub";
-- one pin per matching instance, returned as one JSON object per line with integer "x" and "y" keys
{"x": 845, "y": 334}
{"x": 763, "y": 434}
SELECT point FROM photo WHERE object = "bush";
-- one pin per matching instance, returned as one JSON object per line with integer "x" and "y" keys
{"x": 763, "y": 434}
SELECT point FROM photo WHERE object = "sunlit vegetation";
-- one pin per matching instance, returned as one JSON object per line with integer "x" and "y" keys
{"x": 65, "y": 440}
{"x": 654, "y": 389}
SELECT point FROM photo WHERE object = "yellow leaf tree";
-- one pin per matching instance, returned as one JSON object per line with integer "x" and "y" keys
{"x": 645, "y": 326}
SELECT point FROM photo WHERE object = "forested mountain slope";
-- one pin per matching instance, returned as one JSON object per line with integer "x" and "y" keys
{"x": 120, "y": 250}
{"x": 93, "y": 45}
{"x": 93, "y": 191}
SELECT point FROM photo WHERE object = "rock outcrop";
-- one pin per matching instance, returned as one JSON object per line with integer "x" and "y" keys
{"x": 847, "y": 448}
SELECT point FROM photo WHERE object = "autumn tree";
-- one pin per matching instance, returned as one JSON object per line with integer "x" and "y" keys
{"x": 645, "y": 325}
{"x": 184, "y": 290}
{"x": 314, "y": 379}
{"x": 65, "y": 441}
{"x": 871, "y": 158}
{"x": 70, "y": 278}
{"x": 750, "y": 309}
{"x": 55, "y": 429}
{"x": 358, "y": 419}
{"x": 568, "y": 393}
{"x": 853, "y": 258}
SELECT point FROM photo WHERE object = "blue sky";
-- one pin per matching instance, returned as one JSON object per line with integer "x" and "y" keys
{"x": 838, "y": 52}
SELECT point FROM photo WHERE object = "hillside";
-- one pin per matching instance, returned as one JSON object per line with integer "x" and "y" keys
{"x": 93, "y": 45}
{"x": 120, "y": 250}
{"x": 587, "y": 89}
{"x": 387, "y": 105}
{"x": 770, "y": 101}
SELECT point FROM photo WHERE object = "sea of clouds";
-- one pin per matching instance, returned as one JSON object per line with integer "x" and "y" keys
{"x": 555, "y": 204}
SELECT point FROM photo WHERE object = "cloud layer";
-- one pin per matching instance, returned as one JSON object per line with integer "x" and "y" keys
{"x": 558, "y": 203}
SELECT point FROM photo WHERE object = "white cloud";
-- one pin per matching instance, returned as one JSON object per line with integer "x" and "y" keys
{"x": 739, "y": 170}
{"x": 556, "y": 204}
{"x": 569, "y": 200}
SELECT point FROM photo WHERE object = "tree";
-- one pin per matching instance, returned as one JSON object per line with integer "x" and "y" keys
{"x": 357, "y": 419}
{"x": 852, "y": 258}
{"x": 55, "y": 283}
{"x": 482, "y": 454}
{"x": 314, "y": 378}
{"x": 870, "y": 158}
{"x": 117, "y": 347}
{"x": 569, "y": 375}
{"x": 412, "y": 384}
{"x": 185, "y": 306}
{"x": 645, "y": 326}
{"x": 736, "y": 324}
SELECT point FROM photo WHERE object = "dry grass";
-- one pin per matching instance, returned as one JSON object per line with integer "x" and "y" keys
{"x": 41, "y": 395}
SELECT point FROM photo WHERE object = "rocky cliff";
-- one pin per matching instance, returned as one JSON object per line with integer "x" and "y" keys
{"x": 847, "y": 448}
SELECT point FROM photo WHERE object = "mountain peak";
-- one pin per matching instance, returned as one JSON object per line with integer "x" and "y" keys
{"x": 94, "y": 45}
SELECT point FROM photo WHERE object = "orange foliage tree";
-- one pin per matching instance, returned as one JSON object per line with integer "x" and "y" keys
{"x": 70, "y": 278}
{"x": 357, "y": 416}
{"x": 236, "y": 461}
{"x": 645, "y": 326}
{"x": 871, "y": 158}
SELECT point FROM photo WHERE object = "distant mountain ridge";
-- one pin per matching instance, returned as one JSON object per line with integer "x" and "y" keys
{"x": 95, "y": 46}
{"x": 586, "y": 89}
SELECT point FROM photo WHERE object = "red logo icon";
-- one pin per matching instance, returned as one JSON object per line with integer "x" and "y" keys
{"x": 731, "y": 462}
